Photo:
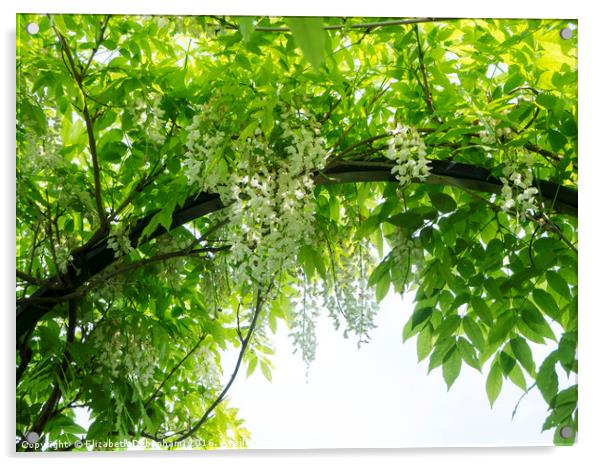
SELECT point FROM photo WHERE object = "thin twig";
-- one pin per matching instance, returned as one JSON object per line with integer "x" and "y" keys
{"x": 521, "y": 399}
{"x": 425, "y": 85}
{"x": 371, "y": 26}
{"x": 99, "y": 41}
{"x": 121, "y": 270}
{"x": 48, "y": 410}
{"x": 78, "y": 76}
{"x": 244, "y": 345}
{"x": 173, "y": 370}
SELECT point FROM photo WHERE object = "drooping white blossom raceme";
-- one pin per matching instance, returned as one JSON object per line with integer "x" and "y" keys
{"x": 408, "y": 151}
{"x": 206, "y": 367}
{"x": 125, "y": 350}
{"x": 517, "y": 191}
{"x": 203, "y": 165}
{"x": 151, "y": 116}
{"x": 63, "y": 257}
{"x": 42, "y": 152}
{"x": 305, "y": 313}
{"x": 273, "y": 217}
{"x": 492, "y": 131}
{"x": 352, "y": 300}
{"x": 269, "y": 190}
{"x": 119, "y": 241}
{"x": 407, "y": 254}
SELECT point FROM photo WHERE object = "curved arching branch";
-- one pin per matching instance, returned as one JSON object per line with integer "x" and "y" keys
{"x": 92, "y": 261}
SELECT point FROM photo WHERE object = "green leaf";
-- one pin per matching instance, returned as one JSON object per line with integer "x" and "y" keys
{"x": 556, "y": 139}
{"x": 252, "y": 364}
{"x": 451, "y": 367}
{"x": 522, "y": 352}
{"x": 567, "y": 348}
{"x": 448, "y": 327}
{"x": 546, "y": 100}
{"x": 246, "y": 26}
{"x": 517, "y": 377}
{"x": 493, "y": 385}
{"x": 558, "y": 284}
{"x": 479, "y": 306}
{"x": 382, "y": 288}
{"x": 514, "y": 80}
{"x": 507, "y": 362}
{"x": 119, "y": 62}
{"x": 466, "y": 268}
{"x": 567, "y": 396}
{"x": 98, "y": 429}
{"x": 421, "y": 315}
{"x": 441, "y": 352}
{"x": 162, "y": 218}
{"x": 473, "y": 331}
{"x": 379, "y": 272}
{"x": 536, "y": 322}
{"x": 547, "y": 379}
{"x": 546, "y": 303}
{"x": 443, "y": 202}
{"x": 408, "y": 220}
{"x": 468, "y": 353}
{"x": 501, "y": 328}
{"x": 113, "y": 152}
{"x": 310, "y": 37}
{"x": 311, "y": 261}
{"x": 34, "y": 116}
{"x": 424, "y": 343}
{"x": 265, "y": 370}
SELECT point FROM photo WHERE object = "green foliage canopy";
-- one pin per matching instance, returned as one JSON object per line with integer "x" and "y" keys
{"x": 124, "y": 122}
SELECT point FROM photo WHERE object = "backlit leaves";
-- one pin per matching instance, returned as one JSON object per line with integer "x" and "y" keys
{"x": 310, "y": 38}
{"x": 494, "y": 381}
{"x": 547, "y": 378}
{"x": 487, "y": 283}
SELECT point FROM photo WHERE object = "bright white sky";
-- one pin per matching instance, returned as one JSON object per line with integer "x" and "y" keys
{"x": 378, "y": 396}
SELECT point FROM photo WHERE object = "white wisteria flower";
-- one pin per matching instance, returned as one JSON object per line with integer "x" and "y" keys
{"x": 408, "y": 151}
{"x": 119, "y": 241}
{"x": 517, "y": 190}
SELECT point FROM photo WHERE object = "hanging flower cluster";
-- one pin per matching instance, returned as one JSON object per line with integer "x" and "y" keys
{"x": 352, "y": 298}
{"x": 305, "y": 313}
{"x": 150, "y": 114}
{"x": 407, "y": 254}
{"x": 206, "y": 367}
{"x": 203, "y": 155}
{"x": 119, "y": 241}
{"x": 63, "y": 257}
{"x": 518, "y": 191}
{"x": 492, "y": 131}
{"x": 408, "y": 151}
{"x": 269, "y": 190}
{"x": 42, "y": 152}
{"x": 125, "y": 352}
{"x": 273, "y": 208}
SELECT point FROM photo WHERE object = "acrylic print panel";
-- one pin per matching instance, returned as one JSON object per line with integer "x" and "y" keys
{"x": 266, "y": 232}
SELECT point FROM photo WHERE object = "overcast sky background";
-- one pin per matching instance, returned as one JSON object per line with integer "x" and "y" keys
{"x": 378, "y": 396}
